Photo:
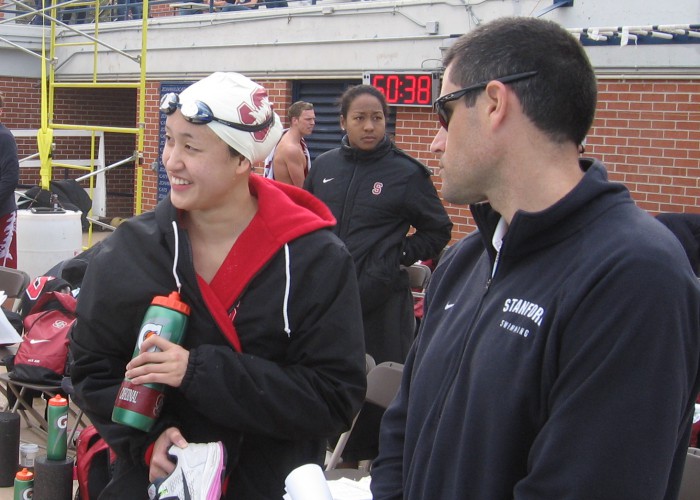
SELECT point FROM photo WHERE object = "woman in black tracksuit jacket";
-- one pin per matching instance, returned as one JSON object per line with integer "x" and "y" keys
{"x": 377, "y": 193}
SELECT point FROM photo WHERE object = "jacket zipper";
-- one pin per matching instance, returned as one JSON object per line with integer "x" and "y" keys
{"x": 493, "y": 272}
{"x": 468, "y": 336}
{"x": 348, "y": 203}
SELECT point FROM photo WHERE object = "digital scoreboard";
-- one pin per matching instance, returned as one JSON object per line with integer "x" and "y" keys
{"x": 419, "y": 88}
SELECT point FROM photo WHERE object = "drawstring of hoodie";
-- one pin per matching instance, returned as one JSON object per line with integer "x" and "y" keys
{"x": 287, "y": 273}
{"x": 175, "y": 259}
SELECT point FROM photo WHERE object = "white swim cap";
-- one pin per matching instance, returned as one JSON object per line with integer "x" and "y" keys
{"x": 237, "y": 99}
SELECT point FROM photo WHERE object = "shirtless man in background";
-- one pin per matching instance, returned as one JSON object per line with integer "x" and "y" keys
{"x": 290, "y": 159}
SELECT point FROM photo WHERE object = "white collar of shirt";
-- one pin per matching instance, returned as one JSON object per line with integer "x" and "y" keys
{"x": 497, "y": 242}
{"x": 499, "y": 234}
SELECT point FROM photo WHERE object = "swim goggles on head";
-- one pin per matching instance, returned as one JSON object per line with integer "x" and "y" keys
{"x": 199, "y": 113}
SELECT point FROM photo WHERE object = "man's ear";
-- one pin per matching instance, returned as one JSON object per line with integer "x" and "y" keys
{"x": 498, "y": 101}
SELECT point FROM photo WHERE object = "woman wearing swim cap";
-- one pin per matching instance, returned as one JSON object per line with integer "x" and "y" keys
{"x": 273, "y": 361}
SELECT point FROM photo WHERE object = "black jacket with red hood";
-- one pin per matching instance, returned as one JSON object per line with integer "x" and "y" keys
{"x": 291, "y": 295}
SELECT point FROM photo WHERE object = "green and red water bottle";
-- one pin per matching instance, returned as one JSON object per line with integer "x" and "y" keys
{"x": 140, "y": 405}
{"x": 57, "y": 442}
{"x": 24, "y": 485}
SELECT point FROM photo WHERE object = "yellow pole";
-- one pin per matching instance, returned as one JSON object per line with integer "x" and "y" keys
{"x": 142, "y": 80}
{"x": 142, "y": 109}
{"x": 45, "y": 136}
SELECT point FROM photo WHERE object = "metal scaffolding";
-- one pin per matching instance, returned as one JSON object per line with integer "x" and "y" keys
{"x": 50, "y": 82}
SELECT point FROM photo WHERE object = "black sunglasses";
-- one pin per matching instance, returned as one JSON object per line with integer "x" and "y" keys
{"x": 444, "y": 115}
{"x": 199, "y": 113}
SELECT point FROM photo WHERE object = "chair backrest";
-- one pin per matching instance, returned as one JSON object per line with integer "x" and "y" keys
{"x": 369, "y": 363}
{"x": 13, "y": 281}
{"x": 383, "y": 383}
{"x": 690, "y": 484}
{"x": 418, "y": 275}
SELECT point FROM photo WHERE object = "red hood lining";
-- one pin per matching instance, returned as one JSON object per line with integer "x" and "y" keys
{"x": 285, "y": 213}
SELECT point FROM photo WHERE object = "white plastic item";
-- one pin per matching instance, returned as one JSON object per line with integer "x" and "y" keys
{"x": 46, "y": 238}
{"x": 307, "y": 482}
{"x": 27, "y": 454}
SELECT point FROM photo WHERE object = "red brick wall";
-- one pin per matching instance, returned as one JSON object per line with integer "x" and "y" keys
{"x": 280, "y": 93}
{"x": 113, "y": 108}
{"x": 161, "y": 10}
{"x": 21, "y": 111}
{"x": 150, "y": 147}
{"x": 107, "y": 108}
{"x": 647, "y": 132}
{"x": 415, "y": 131}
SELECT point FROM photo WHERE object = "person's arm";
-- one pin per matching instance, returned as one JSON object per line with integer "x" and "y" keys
{"x": 100, "y": 351}
{"x": 309, "y": 181}
{"x": 9, "y": 166}
{"x": 290, "y": 164}
{"x": 322, "y": 373}
{"x": 433, "y": 228}
{"x": 619, "y": 378}
{"x": 110, "y": 308}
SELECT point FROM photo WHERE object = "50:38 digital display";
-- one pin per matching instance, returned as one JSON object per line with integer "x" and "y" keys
{"x": 404, "y": 89}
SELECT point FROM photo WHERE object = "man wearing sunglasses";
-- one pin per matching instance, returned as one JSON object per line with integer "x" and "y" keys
{"x": 558, "y": 354}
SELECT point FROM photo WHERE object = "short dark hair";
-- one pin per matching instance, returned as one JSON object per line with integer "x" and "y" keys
{"x": 296, "y": 109}
{"x": 353, "y": 93}
{"x": 560, "y": 100}
{"x": 233, "y": 152}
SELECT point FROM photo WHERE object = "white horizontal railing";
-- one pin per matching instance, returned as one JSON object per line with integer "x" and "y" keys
{"x": 99, "y": 191}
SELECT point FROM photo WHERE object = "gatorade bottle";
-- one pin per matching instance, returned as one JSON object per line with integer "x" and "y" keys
{"x": 24, "y": 485}
{"x": 139, "y": 405}
{"x": 57, "y": 443}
